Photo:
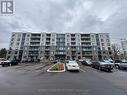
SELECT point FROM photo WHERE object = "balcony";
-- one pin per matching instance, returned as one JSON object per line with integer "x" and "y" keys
{"x": 86, "y": 45}
{"x": 35, "y": 41}
{"x": 60, "y": 53}
{"x": 35, "y": 36}
{"x": 35, "y": 45}
{"x": 33, "y": 54}
{"x": 33, "y": 49}
{"x": 48, "y": 35}
{"x": 86, "y": 49}
{"x": 47, "y": 49}
{"x": 47, "y": 45}
{"x": 85, "y": 40}
{"x": 87, "y": 54}
{"x": 73, "y": 49}
{"x": 85, "y": 35}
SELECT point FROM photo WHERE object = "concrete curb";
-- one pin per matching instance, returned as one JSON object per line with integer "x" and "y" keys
{"x": 56, "y": 71}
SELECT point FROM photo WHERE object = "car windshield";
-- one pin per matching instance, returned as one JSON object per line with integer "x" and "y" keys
{"x": 72, "y": 62}
{"x": 106, "y": 62}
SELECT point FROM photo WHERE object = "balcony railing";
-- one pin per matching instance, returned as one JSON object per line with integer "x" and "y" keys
{"x": 35, "y": 45}
{"x": 86, "y": 49}
{"x": 35, "y": 41}
{"x": 33, "y": 49}
{"x": 86, "y": 45}
{"x": 35, "y": 36}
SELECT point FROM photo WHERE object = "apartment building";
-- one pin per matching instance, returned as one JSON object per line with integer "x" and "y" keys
{"x": 55, "y": 46}
{"x": 124, "y": 46}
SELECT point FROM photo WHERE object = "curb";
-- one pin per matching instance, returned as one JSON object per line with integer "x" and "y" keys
{"x": 56, "y": 71}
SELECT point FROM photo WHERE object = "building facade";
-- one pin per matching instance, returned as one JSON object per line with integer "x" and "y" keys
{"x": 55, "y": 46}
{"x": 124, "y": 46}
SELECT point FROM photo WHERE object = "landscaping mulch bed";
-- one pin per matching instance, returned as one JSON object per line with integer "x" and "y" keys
{"x": 57, "y": 67}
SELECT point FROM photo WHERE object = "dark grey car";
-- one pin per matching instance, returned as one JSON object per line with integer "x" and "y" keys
{"x": 101, "y": 65}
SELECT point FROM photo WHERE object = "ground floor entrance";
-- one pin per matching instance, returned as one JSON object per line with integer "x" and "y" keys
{"x": 60, "y": 57}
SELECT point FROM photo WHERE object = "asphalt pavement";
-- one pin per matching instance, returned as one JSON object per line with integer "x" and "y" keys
{"x": 32, "y": 79}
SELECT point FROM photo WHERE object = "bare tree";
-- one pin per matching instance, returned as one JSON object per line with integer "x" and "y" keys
{"x": 116, "y": 51}
{"x": 3, "y": 53}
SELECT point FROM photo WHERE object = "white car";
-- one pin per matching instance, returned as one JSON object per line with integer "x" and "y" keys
{"x": 1, "y": 60}
{"x": 72, "y": 65}
{"x": 5, "y": 63}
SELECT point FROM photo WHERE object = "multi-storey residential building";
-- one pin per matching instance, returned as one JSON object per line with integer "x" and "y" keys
{"x": 54, "y": 46}
{"x": 124, "y": 46}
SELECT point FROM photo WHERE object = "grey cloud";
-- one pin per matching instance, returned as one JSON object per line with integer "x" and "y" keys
{"x": 66, "y": 16}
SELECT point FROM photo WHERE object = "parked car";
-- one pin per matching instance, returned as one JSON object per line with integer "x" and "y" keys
{"x": 102, "y": 65}
{"x": 55, "y": 61}
{"x": 123, "y": 65}
{"x": 87, "y": 62}
{"x": 5, "y": 63}
{"x": 9, "y": 63}
{"x": 14, "y": 62}
{"x": 80, "y": 60}
{"x": 117, "y": 62}
{"x": 72, "y": 65}
{"x": 1, "y": 60}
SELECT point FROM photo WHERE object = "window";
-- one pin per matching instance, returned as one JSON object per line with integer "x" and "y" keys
{"x": 108, "y": 44}
{"x": 110, "y": 53}
{"x": 107, "y": 36}
{"x": 19, "y": 35}
{"x": 12, "y": 39}
{"x": 92, "y": 36}
{"x": 101, "y": 36}
{"x": 102, "y": 44}
{"x": 8, "y": 57}
{"x": 27, "y": 39}
{"x": 43, "y": 35}
{"x": 53, "y": 39}
{"x": 16, "y": 52}
{"x": 9, "y": 52}
{"x": 67, "y": 44}
{"x": 18, "y": 39}
{"x": 109, "y": 48}
{"x": 17, "y": 44}
{"x": 11, "y": 43}
{"x": 25, "y": 53}
{"x": 103, "y": 48}
{"x": 102, "y": 40}
{"x": 13, "y": 35}
{"x": 108, "y": 40}
{"x": 28, "y": 35}
{"x": 104, "y": 52}
{"x": 67, "y": 35}
{"x": 53, "y": 44}
{"x": 93, "y": 44}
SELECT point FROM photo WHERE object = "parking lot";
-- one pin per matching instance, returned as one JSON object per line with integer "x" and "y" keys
{"x": 33, "y": 79}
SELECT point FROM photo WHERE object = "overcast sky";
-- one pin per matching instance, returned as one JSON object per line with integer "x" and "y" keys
{"x": 88, "y": 16}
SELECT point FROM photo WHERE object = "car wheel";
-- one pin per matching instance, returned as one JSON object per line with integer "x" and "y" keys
{"x": 100, "y": 68}
{"x": 117, "y": 66}
{"x": 109, "y": 70}
{"x": 2, "y": 65}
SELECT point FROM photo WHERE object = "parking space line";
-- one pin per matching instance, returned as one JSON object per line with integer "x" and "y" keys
{"x": 82, "y": 70}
